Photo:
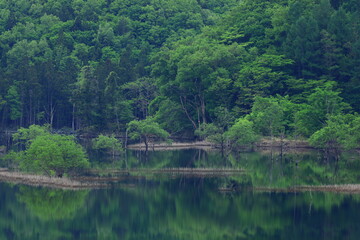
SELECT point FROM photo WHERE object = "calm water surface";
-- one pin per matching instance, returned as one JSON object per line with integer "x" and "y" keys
{"x": 163, "y": 207}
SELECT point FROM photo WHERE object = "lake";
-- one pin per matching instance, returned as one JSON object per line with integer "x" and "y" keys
{"x": 190, "y": 207}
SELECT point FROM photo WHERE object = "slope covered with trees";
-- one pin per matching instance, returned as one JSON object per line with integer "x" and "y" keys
{"x": 287, "y": 66}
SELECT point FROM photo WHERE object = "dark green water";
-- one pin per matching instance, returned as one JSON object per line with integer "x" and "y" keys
{"x": 159, "y": 207}
{"x": 270, "y": 168}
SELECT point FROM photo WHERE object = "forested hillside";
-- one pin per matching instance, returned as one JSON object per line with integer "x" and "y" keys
{"x": 205, "y": 66}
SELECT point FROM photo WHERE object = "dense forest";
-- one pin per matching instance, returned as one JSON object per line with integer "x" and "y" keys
{"x": 280, "y": 67}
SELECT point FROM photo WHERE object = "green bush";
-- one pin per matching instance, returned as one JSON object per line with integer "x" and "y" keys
{"x": 108, "y": 143}
{"x": 242, "y": 133}
{"x": 47, "y": 153}
{"x": 54, "y": 154}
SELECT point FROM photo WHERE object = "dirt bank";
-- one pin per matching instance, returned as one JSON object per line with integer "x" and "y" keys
{"x": 93, "y": 180}
{"x": 173, "y": 146}
{"x": 44, "y": 181}
{"x": 191, "y": 172}
{"x": 102, "y": 182}
{"x": 264, "y": 143}
{"x": 285, "y": 143}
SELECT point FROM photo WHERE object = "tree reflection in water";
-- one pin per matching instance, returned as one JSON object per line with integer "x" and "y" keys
{"x": 193, "y": 208}
{"x": 52, "y": 204}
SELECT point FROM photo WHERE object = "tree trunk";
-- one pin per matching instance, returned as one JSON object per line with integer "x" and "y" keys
{"x": 52, "y": 114}
{"x": 30, "y": 107}
{"x": 186, "y": 112}
{"x": 198, "y": 116}
{"x": 146, "y": 143}
{"x": 203, "y": 112}
{"x": 126, "y": 138}
{"x": 73, "y": 118}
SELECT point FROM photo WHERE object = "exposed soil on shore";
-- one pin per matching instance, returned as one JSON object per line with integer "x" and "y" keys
{"x": 103, "y": 182}
{"x": 44, "y": 181}
{"x": 173, "y": 146}
{"x": 93, "y": 180}
{"x": 264, "y": 143}
{"x": 284, "y": 143}
{"x": 190, "y": 172}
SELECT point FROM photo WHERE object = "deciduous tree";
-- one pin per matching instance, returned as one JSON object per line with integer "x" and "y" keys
{"x": 146, "y": 130}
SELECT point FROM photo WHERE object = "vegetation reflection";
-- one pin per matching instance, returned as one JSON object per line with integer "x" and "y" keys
{"x": 271, "y": 168}
{"x": 52, "y": 204}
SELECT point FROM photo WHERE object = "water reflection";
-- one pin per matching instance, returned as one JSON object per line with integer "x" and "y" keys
{"x": 193, "y": 208}
{"x": 188, "y": 208}
{"x": 52, "y": 204}
{"x": 269, "y": 168}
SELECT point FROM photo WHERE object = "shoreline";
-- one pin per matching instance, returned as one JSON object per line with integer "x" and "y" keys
{"x": 96, "y": 182}
{"x": 44, "y": 181}
{"x": 262, "y": 144}
{"x": 172, "y": 146}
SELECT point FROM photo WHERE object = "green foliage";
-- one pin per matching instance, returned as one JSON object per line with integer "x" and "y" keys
{"x": 140, "y": 92}
{"x": 98, "y": 65}
{"x": 265, "y": 75}
{"x": 215, "y": 132}
{"x": 48, "y": 153}
{"x": 12, "y": 159}
{"x": 334, "y": 135}
{"x": 170, "y": 115}
{"x": 14, "y": 103}
{"x": 54, "y": 154}
{"x": 206, "y": 130}
{"x": 223, "y": 118}
{"x": 303, "y": 45}
{"x": 289, "y": 109}
{"x": 198, "y": 73}
{"x": 354, "y": 124}
{"x": 322, "y": 104}
{"x": 29, "y": 134}
{"x": 267, "y": 116}
{"x": 212, "y": 133}
{"x": 109, "y": 143}
{"x": 146, "y": 130}
{"x": 340, "y": 132}
{"x": 242, "y": 132}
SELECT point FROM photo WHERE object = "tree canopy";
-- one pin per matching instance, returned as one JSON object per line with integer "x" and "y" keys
{"x": 96, "y": 66}
{"x": 146, "y": 130}
{"x": 51, "y": 154}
